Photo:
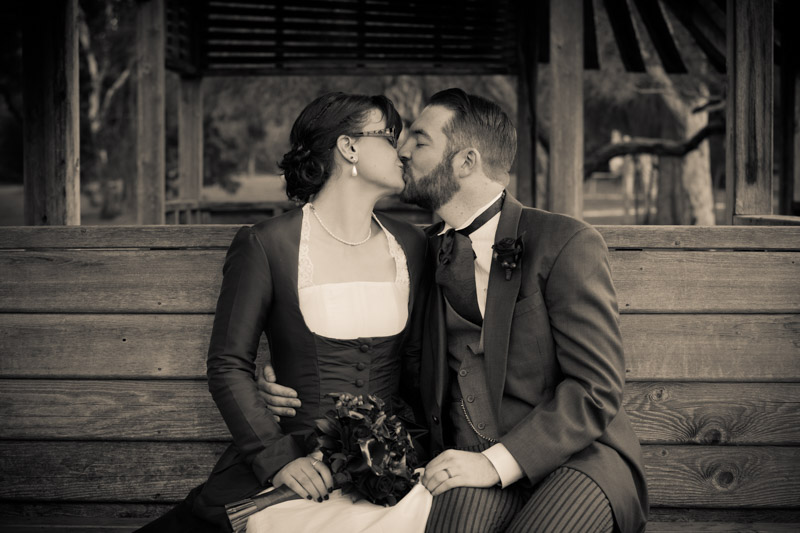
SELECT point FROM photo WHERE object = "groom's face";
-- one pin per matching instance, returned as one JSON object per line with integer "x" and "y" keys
{"x": 427, "y": 163}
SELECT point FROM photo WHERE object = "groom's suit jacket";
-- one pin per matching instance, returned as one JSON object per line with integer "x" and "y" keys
{"x": 554, "y": 362}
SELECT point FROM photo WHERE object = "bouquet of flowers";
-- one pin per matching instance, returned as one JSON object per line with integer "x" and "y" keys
{"x": 369, "y": 453}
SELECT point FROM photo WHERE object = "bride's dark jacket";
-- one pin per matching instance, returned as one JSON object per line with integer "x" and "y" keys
{"x": 259, "y": 295}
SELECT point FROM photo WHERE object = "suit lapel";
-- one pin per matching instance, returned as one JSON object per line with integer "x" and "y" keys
{"x": 435, "y": 323}
{"x": 500, "y": 302}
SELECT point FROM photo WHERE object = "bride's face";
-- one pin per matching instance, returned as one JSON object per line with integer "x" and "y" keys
{"x": 378, "y": 162}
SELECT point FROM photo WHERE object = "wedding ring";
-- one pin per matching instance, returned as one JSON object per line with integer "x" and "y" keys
{"x": 449, "y": 475}
{"x": 314, "y": 462}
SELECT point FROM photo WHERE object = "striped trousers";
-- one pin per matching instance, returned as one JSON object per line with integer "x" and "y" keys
{"x": 566, "y": 500}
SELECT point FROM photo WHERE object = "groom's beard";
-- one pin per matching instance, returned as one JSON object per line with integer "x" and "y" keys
{"x": 433, "y": 190}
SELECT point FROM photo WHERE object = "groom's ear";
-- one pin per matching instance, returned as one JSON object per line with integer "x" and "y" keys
{"x": 347, "y": 147}
{"x": 466, "y": 162}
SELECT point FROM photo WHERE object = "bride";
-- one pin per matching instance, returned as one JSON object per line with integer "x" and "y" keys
{"x": 334, "y": 286}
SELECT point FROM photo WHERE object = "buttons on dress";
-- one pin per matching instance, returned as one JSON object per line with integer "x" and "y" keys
{"x": 359, "y": 383}
{"x": 361, "y": 366}
{"x": 364, "y": 348}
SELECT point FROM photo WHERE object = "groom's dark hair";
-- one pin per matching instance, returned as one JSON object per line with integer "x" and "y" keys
{"x": 482, "y": 124}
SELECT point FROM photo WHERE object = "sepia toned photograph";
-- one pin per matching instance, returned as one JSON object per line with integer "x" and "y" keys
{"x": 399, "y": 266}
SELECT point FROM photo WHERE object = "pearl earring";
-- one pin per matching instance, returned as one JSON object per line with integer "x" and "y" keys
{"x": 354, "y": 170}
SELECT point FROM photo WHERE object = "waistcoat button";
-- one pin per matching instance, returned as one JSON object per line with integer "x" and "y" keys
{"x": 481, "y": 425}
{"x": 435, "y": 419}
{"x": 470, "y": 398}
{"x": 462, "y": 372}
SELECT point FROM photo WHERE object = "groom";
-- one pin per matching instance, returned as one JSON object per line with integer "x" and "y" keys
{"x": 522, "y": 366}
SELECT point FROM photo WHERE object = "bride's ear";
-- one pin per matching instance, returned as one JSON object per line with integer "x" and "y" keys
{"x": 347, "y": 148}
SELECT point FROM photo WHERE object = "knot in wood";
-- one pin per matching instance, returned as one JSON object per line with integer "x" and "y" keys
{"x": 659, "y": 394}
{"x": 725, "y": 477}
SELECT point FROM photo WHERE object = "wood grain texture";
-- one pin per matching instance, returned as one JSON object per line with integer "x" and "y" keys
{"x": 187, "y": 281}
{"x": 723, "y": 476}
{"x": 708, "y": 477}
{"x": 749, "y": 114}
{"x": 708, "y": 347}
{"x": 220, "y": 236}
{"x": 150, "y": 112}
{"x": 107, "y": 346}
{"x": 158, "y": 281}
{"x": 565, "y": 185}
{"x": 727, "y": 282}
{"x": 190, "y": 138}
{"x": 113, "y": 410}
{"x": 51, "y": 112}
{"x": 80, "y": 510}
{"x": 657, "y": 347}
{"x": 104, "y": 471}
{"x": 661, "y": 413}
{"x": 714, "y": 413}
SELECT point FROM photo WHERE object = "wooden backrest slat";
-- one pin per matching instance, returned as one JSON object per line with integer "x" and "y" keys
{"x": 187, "y": 281}
{"x": 661, "y": 412}
{"x": 220, "y": 236}
{"x": 104, "y": 332}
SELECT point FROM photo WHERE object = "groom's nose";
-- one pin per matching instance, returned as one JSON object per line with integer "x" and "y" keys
{"x": 404, "y": 151}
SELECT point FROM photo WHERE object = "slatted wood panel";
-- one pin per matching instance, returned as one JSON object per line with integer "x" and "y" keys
{"x": 220, "y": 236}
{"x": 187, "y": 281}
{"x": 725, "y": 476}
{"x": 662, "y": 413}
{"x": 103, "y": 335}
{"x": 707, "y": 347}
{"x": 366, "y": 35}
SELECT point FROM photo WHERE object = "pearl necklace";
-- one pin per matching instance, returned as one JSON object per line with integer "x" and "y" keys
{"x": 348, "y": 243}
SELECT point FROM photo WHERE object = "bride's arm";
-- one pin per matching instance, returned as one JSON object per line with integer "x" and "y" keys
{"x": 242, "y": 308}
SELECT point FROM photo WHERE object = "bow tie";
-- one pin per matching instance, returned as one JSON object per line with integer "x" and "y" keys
{"x": 446, "y": 246}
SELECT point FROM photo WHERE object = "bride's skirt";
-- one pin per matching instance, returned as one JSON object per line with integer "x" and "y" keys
{"x": 339, "y": 513}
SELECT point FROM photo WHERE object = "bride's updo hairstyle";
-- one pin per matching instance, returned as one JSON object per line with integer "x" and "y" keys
{"x": 312, "y": 158}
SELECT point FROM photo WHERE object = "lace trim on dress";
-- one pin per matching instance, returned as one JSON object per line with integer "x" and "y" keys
{"x": 305, "y": 268}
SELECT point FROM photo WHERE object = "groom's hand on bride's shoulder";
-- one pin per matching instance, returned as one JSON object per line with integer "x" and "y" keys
{"x": 456, "y": 468}
{"x": 281, "y": 400}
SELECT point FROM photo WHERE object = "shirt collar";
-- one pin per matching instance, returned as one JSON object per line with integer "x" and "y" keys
{"x": 475, "y": 215}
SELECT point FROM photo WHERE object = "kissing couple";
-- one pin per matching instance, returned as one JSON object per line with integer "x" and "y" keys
{"x": 496, "y": 329}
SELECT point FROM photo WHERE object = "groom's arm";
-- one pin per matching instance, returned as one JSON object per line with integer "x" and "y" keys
{"x": 281, "y": 400}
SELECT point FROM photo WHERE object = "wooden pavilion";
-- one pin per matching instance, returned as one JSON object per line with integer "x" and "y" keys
{"x": 318, "y": 37}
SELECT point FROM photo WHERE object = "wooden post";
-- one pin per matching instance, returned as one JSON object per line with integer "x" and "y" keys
{"x": 51, "y": 122}
{"x": 748, "y": 150}
{"x": 150, "y": 116}
{"x": 789, "y": 125}
{"x": 565, "y": 190}
{"x": 190, "y": 139}
{"x": 526, "y": 104}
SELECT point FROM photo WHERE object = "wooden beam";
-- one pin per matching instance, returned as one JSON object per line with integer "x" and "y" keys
{"x": 150, "y": 116}
{"x": 701, "y": 24}
{"x": 748, "y": 147}
{"x": 790, "y": 81}
{"x": 51, "y": 125}
{"x": 661, "y": 36}
{"x": 190, "y": 139}
{"x": 624, "y": 34}
{"x": 565, "y": 190}
{"x": 526, "y": 103}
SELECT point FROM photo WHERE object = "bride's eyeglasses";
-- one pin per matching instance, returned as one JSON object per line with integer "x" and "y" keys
{"x": 387, "y": 133}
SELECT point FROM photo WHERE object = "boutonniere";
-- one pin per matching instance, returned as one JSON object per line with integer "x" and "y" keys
{"x": 508, "y": 251}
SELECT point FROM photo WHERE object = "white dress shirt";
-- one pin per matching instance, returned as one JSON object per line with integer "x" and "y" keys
{"x": 482, "y": 240}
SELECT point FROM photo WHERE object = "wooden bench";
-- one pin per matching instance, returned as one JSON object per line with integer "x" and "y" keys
{"x": 105, "y": 418}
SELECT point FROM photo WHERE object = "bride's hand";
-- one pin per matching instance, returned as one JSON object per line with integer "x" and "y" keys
{"x": 307, "y": 476}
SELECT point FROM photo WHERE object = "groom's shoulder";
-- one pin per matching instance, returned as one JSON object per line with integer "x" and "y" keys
{"x": 555, "y": 229}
